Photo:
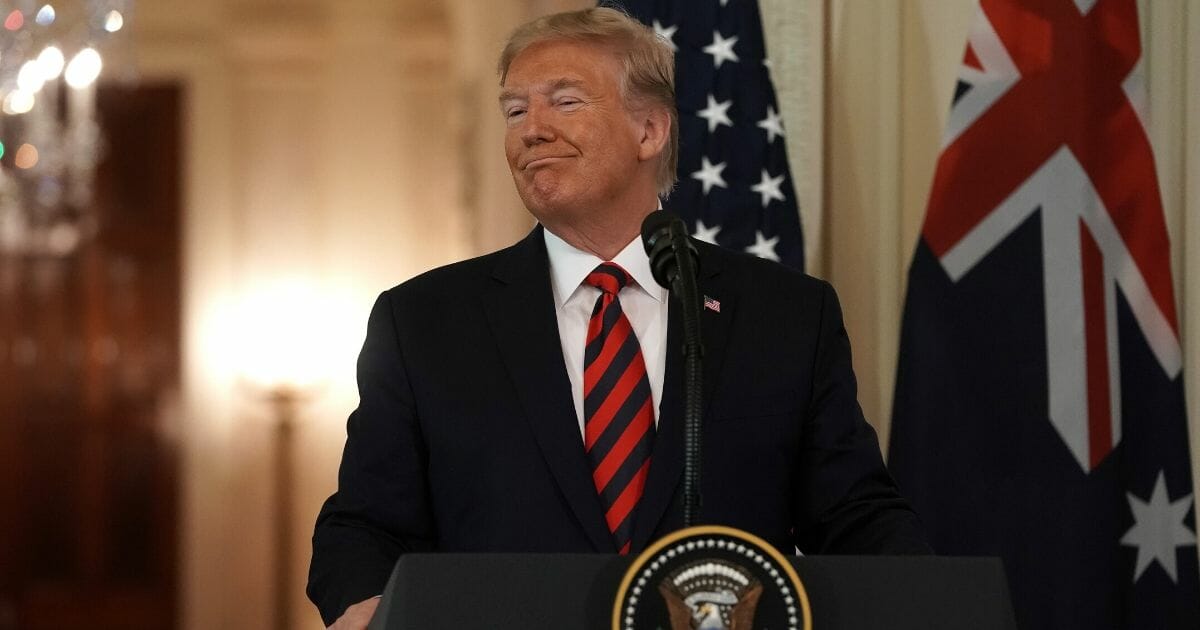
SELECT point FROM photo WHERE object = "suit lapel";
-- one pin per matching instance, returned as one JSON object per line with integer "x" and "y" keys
{"x": 666, "y": 465}
{"x": 520, "y": 308}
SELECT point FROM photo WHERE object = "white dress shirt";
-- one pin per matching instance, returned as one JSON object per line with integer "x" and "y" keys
{"x": 642, "y": 300}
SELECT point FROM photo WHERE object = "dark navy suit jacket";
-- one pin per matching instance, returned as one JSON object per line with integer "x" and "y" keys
{"x": 465, "y": 437}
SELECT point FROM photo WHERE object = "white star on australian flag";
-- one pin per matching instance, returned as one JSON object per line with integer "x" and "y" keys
{"x": 1158, "y": 529}
{"x": 734, "y": 185}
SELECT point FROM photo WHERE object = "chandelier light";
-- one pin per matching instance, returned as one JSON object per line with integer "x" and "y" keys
{"x": 51, "y": 56}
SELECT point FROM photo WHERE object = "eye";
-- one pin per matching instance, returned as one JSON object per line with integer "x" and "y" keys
{"x": 514, "y": 112}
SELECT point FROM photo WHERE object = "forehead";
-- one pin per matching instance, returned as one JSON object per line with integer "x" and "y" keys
{"x": 546, "y": 64}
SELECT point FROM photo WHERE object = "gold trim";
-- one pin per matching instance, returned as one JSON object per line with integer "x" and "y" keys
{"x": 702, "y": 530}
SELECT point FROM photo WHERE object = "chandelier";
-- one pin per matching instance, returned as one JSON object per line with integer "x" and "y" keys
{"x": 51, "y": 55}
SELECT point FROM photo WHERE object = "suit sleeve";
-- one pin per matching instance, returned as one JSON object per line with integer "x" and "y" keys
{"x": 381, "y": 507}
{"x": 848, "y": 502}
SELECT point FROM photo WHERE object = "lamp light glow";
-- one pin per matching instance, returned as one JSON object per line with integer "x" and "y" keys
{"x": 27, "y": 156}
{"x": 18, "y": 102}
{"x": 15, "y": 20}
{"x": 51, "y": 62}
{"x": 45, "y": 15}
{"x": 114, "y": 21}
{"x": 271, "y": 320}
{"x": 29, "y": 77}
{"x": 84, "y": 68}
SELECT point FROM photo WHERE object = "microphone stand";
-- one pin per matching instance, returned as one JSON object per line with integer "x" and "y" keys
{"x": 685, "y": 286}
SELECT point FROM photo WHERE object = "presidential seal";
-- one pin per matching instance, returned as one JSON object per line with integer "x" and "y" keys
{"x": 711, "y": 578}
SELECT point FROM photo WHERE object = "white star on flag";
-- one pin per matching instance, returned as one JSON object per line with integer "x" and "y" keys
{"x": 769, "y": 188}
{"x": 764, "y": 247}
{"x": 716, "y": 113}
{"x": 705, "y": 233}
{"x": 722, "y": 49}
{"x": 773, "y": 123}
{"x": 1158, "y": 529}
{"x": 667, "y": 33}
{"x": 710, "y": 174}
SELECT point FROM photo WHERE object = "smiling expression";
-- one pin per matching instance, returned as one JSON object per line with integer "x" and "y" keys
{"x": 572, "y": 145}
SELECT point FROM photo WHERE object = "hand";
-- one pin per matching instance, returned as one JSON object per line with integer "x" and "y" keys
{"x": 357, "y": 616}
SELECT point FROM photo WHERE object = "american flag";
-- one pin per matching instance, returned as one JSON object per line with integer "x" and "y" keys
{"x": 735, "y": 186}
{"x": 1039, "y": 410}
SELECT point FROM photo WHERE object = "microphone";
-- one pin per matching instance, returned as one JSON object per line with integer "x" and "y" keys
{"x": 673, "y": 261}
{"x": 664, "y": 234}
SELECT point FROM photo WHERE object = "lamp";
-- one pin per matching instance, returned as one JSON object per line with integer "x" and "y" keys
{"x": 290, "y": 341}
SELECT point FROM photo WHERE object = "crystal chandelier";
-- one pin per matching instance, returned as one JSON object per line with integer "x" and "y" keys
{"x": 50, "y": 57}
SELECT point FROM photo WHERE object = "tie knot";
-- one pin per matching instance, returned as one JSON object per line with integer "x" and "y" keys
{"x": 609, "y": 277}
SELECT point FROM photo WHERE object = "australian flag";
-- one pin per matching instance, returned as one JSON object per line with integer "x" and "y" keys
{"x": 734, "y": 186}
{"x": 1039, "y": 409}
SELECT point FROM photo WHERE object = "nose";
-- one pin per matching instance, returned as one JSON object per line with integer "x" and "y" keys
{"x": 537, "y": 127}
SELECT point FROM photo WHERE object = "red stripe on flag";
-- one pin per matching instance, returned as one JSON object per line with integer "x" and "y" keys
{"x": 1120, "y": 164}
{"x": 1028, "y": 34}
{"x": 629, "y": 498}
{"x": 970, "y": 60}
{"x": 1099, "y": 405}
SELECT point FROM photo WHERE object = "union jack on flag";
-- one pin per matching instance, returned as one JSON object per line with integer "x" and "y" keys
{"x": 1039, "y": 409}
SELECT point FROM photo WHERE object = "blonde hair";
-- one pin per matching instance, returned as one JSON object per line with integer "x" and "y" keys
{"x": 648, "y": 62}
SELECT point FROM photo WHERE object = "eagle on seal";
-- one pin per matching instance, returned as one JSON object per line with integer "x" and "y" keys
{"x": 711, "y": 596}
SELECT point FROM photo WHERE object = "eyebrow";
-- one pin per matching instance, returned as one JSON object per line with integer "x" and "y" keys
{"x": 556, "y": 85}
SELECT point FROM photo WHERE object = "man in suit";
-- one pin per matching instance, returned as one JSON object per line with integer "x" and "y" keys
{"x": 531, "y": 400}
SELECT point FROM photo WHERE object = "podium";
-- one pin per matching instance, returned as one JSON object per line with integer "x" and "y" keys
{"x": 577, "y": 591}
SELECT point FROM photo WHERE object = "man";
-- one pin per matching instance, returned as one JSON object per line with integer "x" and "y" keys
{"x": 531, "y": 400}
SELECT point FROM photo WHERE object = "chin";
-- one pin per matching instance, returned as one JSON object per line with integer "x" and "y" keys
{"x": 548, "y": 204}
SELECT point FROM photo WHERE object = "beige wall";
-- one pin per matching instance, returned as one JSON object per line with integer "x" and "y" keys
{"x": 321, "y": 146}
{"x": 354, "y": 143}
{"x": 891, "y": 69}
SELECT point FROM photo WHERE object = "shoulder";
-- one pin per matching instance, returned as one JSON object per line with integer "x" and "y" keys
{"x": 759, "y": 275}
{"x": 469, "y": 277}
{"x": 448, "y": 279}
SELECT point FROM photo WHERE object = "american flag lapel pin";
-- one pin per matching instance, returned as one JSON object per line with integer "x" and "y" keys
{"x": 712, "y": 305}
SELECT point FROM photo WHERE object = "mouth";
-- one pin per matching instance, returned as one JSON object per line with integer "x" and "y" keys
{"x": 543, "y": 161}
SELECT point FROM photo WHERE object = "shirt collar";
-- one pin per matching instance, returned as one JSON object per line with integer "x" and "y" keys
{"x": 569, "y": 266}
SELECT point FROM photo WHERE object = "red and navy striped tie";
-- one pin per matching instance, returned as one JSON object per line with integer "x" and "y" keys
{"x": 617, "y": 407}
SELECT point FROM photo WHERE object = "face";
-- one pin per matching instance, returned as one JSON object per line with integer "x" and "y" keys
{"x": 572, "y": 145}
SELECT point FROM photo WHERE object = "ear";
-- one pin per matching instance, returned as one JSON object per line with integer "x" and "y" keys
{"x": 655, "y": 128}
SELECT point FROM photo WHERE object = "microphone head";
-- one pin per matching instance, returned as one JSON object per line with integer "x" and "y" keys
{"x": 660, "y": 230}
{"x": 655, "y": 226}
